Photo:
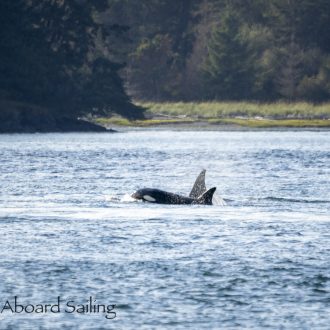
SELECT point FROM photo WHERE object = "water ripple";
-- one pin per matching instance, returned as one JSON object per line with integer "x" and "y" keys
{"x": 69, "y": 227}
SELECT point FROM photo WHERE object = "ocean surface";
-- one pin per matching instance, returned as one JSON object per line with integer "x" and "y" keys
{"x": 69, "y": 229}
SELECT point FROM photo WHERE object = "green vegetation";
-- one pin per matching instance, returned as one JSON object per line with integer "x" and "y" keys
{"x": 244, "y": 114}
{"x": 229, "y": 60}
{"x": 140, "y": 123}
{"x": 220, "y": 50}
{"x": 55, "y": 54}
{"x": 224, "y": 59}
{"x": 279, "y": 110}
{"x": 250, "y": 123}
{"x": 268, "y": 123}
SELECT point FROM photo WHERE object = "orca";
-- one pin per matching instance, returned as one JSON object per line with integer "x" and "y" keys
{"x": 198, "y": 195}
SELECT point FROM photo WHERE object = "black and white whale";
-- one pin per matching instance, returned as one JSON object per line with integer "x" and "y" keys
{"x": 198, "y": 195}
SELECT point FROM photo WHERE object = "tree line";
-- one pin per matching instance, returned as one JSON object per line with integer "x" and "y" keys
{"x": 226, "y": 49}
{"x": 81, "y": 56}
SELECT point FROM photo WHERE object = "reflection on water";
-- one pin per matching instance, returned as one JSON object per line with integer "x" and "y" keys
{"x": 69, "y": 228}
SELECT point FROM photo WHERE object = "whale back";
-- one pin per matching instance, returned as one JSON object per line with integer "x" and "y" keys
{"x": 206, "y": 198}
{"x": 199, "y": 187}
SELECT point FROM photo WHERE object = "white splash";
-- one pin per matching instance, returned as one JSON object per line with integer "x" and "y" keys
{"x": 217, "y": 200}
{"x": 127, "y": 198}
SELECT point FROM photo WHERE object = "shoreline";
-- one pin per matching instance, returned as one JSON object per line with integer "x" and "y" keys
{"x": 208, "y": 116}
{"x": 184, "y": 128}
{"x": 225, "y": 124}
{"x": 226, "y": 116}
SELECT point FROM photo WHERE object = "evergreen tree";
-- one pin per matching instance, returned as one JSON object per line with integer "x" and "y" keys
{"x": 301, "y": 39}
{"x": 161, "y": 42}
{"x": 228, "y": 68}
{"x": 50, "y": 56}
{"x": 69, "y": 55}
{"x": 290, "y": 73}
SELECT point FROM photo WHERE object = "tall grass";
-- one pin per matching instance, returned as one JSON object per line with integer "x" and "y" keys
{"x": 252, "y": 123}
{"x": 279, "y": 110}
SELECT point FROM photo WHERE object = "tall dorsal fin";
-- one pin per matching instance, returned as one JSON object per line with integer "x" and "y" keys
{"x": 199, "y": 187}
{"x": 206, "y": 198}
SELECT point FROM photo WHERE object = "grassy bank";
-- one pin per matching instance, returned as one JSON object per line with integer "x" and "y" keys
{"x": 279, "y": 110}
{"x": 252, "y": 123}
{"x": 244, "y": 114}
{"x": 269, "y": 123}
{"x": 141, "y": 123}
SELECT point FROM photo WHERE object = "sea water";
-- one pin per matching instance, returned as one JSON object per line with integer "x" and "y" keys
{"x": 70, "y": 231}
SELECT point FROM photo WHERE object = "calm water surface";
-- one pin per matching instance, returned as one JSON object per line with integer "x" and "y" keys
{"x": 68, "y": 228}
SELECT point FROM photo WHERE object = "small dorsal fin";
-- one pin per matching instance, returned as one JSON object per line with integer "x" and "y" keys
{"x": 199, "y": 187}
{"x": 206, "y": 198}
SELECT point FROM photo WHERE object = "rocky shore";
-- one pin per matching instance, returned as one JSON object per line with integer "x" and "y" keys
{"x": 22, "y": 118}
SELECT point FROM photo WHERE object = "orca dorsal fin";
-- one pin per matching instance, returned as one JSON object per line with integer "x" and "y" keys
{"x": 206, "y": 198}
{"x": 199, "y": 187}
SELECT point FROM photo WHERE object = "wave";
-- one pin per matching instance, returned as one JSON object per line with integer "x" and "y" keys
{"x": 295, "y": 200}
{"x": 127, "y": 199}
{"x": 219, "y": 201}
